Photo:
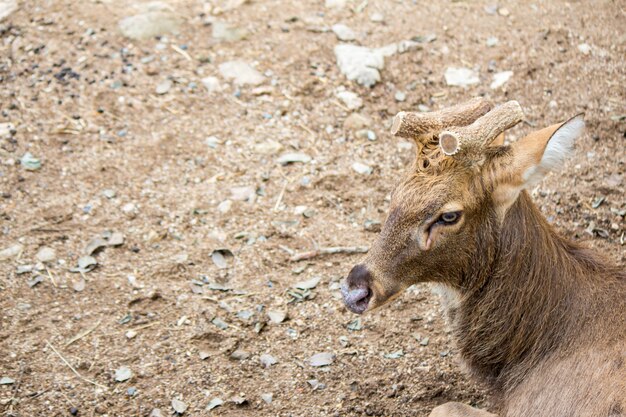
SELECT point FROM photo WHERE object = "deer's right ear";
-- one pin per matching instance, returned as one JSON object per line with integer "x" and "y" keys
{"x": 534, "y": 156}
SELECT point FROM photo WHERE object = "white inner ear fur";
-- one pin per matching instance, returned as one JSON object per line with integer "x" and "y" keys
{"x": 559, "y": 147}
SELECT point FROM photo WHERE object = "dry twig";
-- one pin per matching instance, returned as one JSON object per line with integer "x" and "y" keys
{"x": 72, "y": 368}
{"x": 328, "y": 251}
{"x": 83, "y": 334}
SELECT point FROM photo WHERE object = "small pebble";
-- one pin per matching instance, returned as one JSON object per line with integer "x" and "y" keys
{"x": 46, "y": 255}
{"x": 400, "y": 96}
{"x": 377, "y": 17}
{"x": 163, "y": 87}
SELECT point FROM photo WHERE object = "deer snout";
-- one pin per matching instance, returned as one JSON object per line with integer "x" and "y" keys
{"x": 356, "y": 289}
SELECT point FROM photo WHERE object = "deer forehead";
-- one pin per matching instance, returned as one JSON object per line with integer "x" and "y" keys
{"x": 421, "y": 196}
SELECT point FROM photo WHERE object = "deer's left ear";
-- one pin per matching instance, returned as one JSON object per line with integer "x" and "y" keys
{"x": 534, "y": 156}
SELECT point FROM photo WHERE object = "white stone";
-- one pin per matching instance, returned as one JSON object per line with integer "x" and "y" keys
{"x": 212, "y": 84}
{"x": 362, "y": 168}
{"x": 212, "y": 142}
{"x": 351, "y": 100}
{"x": 500, "y": 78}
{"x": 224, "y": 206}
{"x": 388, "y": 50}
{"x": 584, "y": 48}
{"x": 157, "y": 19}
{"x": 11, "y": 252}
{"x": 241, "y": 73}
{"x": 7, "y": 7}
{"x": 223, "y": 31}
{"x": 163, "y": 87}
{"x": 269, "y": 147}
{"x": 46, "y": 255}
{"x": 129, "y": 208}
{"x": 492, "y": 41}
{"x": 359, "y": 63}
{"x": 461, "y": 77}
{"x": 335, "y": 4}
{"x": 377, "y": 17}
{"x": 343, "y": 32}
{"x": 245, "y": 193}
{"x": 6, "y": 129}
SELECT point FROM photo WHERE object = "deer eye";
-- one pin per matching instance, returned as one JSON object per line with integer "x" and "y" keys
{"x": 449, "y": 218}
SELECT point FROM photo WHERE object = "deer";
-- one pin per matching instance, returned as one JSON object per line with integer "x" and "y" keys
{"x": 538, "y": 319}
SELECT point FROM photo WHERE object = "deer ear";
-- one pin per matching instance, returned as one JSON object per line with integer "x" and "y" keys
{"x": 535, "y": 155}
{"x": 546, "y": 150}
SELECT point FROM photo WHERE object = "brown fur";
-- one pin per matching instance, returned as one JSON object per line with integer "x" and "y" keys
{"x": 540, "y": 319}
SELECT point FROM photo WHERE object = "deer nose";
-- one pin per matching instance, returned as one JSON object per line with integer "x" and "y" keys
{"x": 356, "y": 289}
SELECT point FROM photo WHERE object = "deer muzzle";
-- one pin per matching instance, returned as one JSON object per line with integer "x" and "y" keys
{"x": 356, "y": 289}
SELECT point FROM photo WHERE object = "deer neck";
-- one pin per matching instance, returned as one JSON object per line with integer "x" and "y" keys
{"x": 521, "y": 298}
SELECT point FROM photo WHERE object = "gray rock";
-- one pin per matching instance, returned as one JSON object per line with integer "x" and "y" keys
{"x": 29, "y": 162}
{"x": 321, "y": 359}
{"x": 215, "y": 402}
{"x": 267, "y": 360}
{"x": 240, "y": 355}
{"x": 7, "y": 7}
{"x": 123, "y": 374}
{"x": 267, "y": 397}
{"x": 276, "y": 316}
{"x": 46, "y": 255}
{"x": 359, "y": 63}
{"x": 157, "y": 19}
{"x": 5, "y": 380}
{"x": 241, "y": 73}
{"x": 343, "y": 32}
{"x": 179, "y": 406}
{"x": 461, "y": 77}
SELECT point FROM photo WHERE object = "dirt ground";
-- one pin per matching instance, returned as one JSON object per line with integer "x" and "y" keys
{"x": 116, "y": 156}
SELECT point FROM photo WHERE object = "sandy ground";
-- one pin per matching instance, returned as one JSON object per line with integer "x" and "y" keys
{"x": 116, "y": 156}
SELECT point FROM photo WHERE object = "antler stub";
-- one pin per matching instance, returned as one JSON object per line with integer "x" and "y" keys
{"x": 413, "y": 125}
{"x": 483, "y": 131}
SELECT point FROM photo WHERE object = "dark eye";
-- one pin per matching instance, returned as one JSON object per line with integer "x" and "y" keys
{"x": 449, "y": 218}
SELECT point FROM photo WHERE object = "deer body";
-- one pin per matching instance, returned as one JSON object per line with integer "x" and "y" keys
{"x": 539, "y": 319}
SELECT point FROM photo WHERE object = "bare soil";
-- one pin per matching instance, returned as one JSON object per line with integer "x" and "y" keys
{"x": 83, "y": 100}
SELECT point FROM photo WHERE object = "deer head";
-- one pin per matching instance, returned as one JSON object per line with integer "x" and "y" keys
{"x": 446, "y": 210}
